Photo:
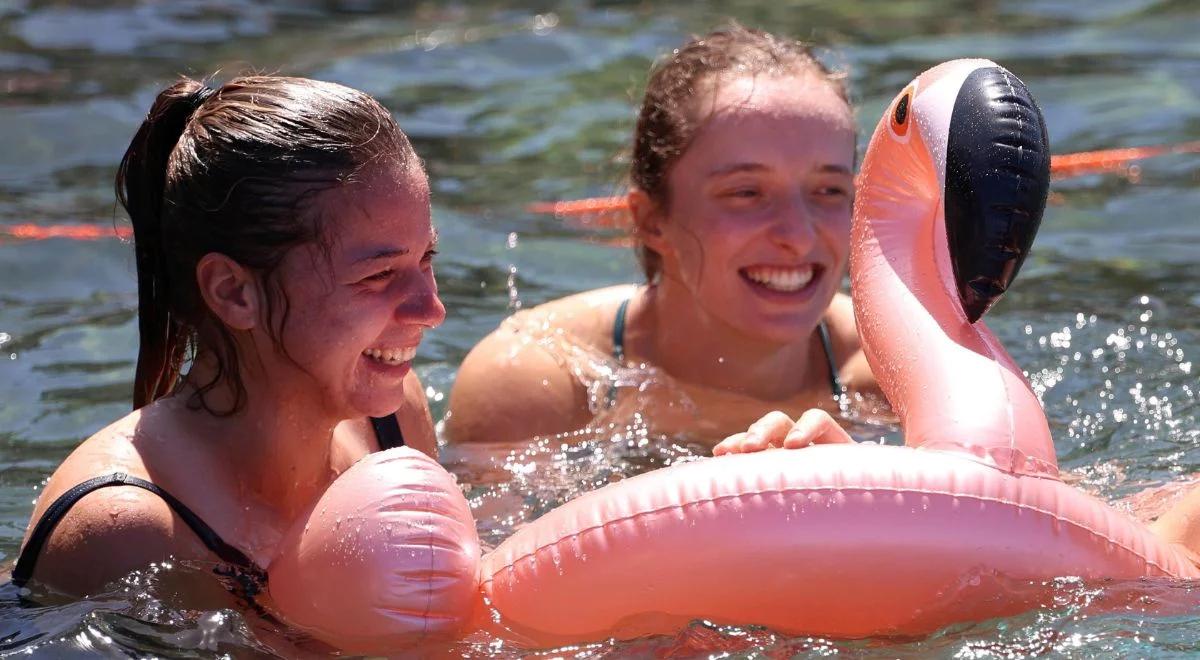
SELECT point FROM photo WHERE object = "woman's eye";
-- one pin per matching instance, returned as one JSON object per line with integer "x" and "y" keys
{"x": 743, "y": 193}
{"x": 836, "y": 196}
{"x": 380, "y": 276}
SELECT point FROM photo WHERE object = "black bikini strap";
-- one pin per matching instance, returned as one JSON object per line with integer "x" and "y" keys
{"x": 27, "y": 560}
{"x": 834, "y": 382}
{"x": 387, "y": 431}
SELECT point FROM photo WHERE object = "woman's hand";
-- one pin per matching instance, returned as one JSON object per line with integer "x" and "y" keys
{"x": 775, "y": 429}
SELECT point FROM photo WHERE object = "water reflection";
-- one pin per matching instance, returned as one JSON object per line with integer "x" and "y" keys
{"x": 511, "y": 103}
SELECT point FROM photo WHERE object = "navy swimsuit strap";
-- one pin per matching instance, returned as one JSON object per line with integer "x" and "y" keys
{"x": 27, "y": 560}
{"x": 387, "y": 431}
{"x": 618, "y": 342}
{"x": 618, "y": 331}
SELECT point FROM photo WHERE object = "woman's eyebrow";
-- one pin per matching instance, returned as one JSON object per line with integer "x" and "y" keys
{"x": 835, "y": 169}
{"x": 733, "y": 168}
{"x": 384, "y": 253}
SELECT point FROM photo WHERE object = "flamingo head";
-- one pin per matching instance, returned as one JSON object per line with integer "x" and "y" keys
{"x": 987, "y": 144}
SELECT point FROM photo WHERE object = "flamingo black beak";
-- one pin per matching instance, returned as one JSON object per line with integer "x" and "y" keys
{"x": 997, "y": 179}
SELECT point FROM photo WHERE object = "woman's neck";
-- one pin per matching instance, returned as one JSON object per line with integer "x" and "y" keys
{"x": 674, "y": 333}
{"x": 276, "y": 445}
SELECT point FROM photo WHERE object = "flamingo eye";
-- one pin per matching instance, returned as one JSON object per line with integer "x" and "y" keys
{"x": 901, "y": 114}
{"x": 900, "y": 117}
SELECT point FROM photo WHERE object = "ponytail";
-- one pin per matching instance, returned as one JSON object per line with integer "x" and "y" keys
{"x": 141, "y": 179}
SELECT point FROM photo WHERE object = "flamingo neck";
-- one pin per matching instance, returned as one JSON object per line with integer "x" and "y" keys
{"x": 952, "y": 383}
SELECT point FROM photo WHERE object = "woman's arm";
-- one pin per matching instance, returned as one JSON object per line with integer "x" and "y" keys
{"x": 1180, "y": 525}
{"x": 852, "y": 366}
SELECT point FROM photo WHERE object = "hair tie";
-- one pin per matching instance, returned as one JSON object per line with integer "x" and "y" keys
{"x": 200, "y": 96}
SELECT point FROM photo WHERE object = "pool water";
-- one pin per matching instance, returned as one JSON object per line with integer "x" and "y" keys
{"x": 514, "y": 103}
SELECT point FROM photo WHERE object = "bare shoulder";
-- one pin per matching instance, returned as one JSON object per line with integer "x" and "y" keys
{"x": 111, "y": 530}
{"x": 587, "y": 315}
{"x": 511, "y": 386}
{"x": 853, "y": 368}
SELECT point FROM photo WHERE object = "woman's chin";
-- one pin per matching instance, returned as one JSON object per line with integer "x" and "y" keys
{"x": 377, "y": 403}
{"x": 778, "y": 317}
{"x": 781, "y": 327}
{"x": 782, "y": 332}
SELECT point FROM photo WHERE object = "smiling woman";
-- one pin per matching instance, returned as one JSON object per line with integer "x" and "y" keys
{"x": 284, "y": 256}
{"x": 742, "y": 184}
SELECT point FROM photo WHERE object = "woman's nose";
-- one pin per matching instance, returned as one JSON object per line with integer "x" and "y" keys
{"x": 793, "y": 227}
{"x": 422, "y": 307}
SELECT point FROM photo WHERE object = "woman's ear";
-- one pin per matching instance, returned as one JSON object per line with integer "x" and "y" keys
{"x": 648, "y": 218}
{"x": 229, "y": 289}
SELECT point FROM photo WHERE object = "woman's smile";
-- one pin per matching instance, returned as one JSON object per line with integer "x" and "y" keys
{"x": 392, "y": 356}
{"x": 783, "y": 279}
{"x": 394, "y": 362}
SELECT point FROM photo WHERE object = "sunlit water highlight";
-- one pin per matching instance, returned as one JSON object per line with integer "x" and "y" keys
{"x": 514, "y": 104}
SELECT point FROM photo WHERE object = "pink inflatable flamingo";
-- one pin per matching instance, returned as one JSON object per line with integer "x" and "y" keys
{"x": 967, "y": 521}
{"x": 962, "y": 523}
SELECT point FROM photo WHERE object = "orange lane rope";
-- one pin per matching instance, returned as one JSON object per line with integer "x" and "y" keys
{"x": 1110, "y": 160}
{"x": 611, "y": 212}
{"x": 79, "y": 232}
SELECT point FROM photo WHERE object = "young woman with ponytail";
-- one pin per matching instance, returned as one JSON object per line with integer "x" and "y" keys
{"x": 283, "y": 248}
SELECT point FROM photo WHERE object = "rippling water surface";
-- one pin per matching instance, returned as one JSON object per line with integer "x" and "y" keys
{"x": 511, "y": 103}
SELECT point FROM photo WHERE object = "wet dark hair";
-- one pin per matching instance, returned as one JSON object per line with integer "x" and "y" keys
{"x": 666, "y": 125}
{"x": 234, "y": 170}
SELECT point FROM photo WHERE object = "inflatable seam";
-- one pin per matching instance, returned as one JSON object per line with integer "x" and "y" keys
{"x": 429, "y": 516}
{"x": 511, "y": 565}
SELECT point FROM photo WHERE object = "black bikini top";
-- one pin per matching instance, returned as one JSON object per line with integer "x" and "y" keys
{"x": 387, "y": 431}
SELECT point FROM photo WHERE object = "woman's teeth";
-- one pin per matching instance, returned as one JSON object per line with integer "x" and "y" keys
{"x": 780, "y": 279}
{"x": 391, "y": 356}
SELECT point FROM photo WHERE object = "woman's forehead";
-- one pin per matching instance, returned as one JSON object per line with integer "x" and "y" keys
{"x": 384, "y": 209}
{"x": 747, "y": 137}
{"x": 798, "y": 97}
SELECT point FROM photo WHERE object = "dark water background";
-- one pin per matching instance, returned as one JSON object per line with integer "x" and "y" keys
{"x": 511, "y": 103}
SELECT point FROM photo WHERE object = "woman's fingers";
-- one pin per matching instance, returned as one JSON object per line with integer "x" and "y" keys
{"x": 775, "y": 429}
{"x": 815, "y": 427}
{"x": 730, "y": 445}
{"x": 768, "y": 431}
